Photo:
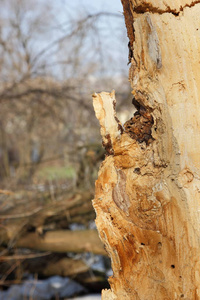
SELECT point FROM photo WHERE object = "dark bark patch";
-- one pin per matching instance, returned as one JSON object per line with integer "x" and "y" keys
{"x": 107, "y": 144}
{"x": 120, "y": 128}
{"x": 129, "y": 26}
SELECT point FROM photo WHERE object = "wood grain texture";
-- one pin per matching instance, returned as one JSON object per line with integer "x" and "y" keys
{"x": 148, "y": 194}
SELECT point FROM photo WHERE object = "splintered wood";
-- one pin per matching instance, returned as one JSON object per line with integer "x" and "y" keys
{"x": 147, "y": 198}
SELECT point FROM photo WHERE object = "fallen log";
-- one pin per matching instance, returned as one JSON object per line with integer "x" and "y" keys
{"x": 21, "y": 217}
{"x": 63, "y": 241}
{"x": 65, "y": 267}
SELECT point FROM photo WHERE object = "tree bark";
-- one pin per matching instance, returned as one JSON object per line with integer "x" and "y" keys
{"x": 148, "y": 191}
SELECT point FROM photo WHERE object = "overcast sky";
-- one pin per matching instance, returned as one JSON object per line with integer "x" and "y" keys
{"x": 97, "y": 5}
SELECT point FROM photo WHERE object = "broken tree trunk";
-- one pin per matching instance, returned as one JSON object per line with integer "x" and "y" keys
{"x": 148, "y": 192}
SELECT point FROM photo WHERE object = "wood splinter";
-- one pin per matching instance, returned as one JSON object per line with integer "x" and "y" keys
{"x": 111, "y": 128}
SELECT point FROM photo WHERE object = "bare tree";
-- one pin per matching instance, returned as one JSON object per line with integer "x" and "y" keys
{"x": 47, "y": 68}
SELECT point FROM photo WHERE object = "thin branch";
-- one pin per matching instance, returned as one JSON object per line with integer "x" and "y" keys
{"x": 24, "y": 215}
{"x": 6, "y": 192}
{"x": 23, "y": 257}
{"x": 74, "y": 31}
{"x": 53, "y": 93}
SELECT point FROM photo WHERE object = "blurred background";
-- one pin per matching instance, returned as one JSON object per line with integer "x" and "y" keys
{"x": 53, "y": 56}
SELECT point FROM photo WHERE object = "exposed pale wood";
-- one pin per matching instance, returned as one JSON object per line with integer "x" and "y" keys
{"x": 148, "y": 193}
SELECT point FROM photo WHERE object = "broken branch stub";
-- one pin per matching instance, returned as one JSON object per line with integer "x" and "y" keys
{"x": 111, "y": 128}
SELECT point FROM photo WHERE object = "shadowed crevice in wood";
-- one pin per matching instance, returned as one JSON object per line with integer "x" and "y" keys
{"x": 139, "y": 127}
